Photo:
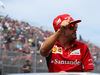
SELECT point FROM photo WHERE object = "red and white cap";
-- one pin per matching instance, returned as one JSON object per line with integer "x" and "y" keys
{"x": 58, "y": 20}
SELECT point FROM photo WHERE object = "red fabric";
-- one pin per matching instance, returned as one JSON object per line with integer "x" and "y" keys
{"x": 58, "y": 20}
{"x": 75, "y": 58}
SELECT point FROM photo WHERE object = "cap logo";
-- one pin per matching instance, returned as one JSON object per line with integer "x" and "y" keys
{"x": 59, "y": 20}
{"x": 66, "y": 17}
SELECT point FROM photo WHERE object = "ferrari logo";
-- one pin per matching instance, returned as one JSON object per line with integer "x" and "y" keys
{"x": 70, "y": 50}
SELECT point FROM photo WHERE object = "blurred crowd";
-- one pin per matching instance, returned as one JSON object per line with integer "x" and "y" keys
{"x": 95, "y": 52}
{"x": 21, "y": 37}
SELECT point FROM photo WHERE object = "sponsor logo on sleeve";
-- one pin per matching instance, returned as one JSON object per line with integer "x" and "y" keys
{"x": 90, "y": 62}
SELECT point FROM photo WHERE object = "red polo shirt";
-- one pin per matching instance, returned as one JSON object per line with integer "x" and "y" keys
{"x": 75, "y": 58}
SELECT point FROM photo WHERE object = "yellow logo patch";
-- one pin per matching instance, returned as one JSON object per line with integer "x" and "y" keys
{"x": 56, "y": 21}
{"x": 54, "y": 49}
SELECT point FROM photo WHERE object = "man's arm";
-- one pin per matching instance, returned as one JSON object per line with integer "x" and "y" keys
{"x": 49, "y": 43}
{"x": 24, "y": 68}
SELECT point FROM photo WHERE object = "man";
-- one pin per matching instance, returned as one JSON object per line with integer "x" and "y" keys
{"x": 27, "y": 67}
{"x": 62, "y": 51}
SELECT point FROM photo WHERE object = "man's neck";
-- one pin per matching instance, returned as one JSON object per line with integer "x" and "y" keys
{"x": 65, "y": 43}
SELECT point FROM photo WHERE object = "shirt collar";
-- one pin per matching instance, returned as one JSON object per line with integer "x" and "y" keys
{"x": 74, "y": 44}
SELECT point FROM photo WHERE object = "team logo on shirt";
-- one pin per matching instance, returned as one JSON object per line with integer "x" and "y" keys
{"x": 70, "y": 50}
{"x": 75, "y": 52}
{"x": 57, "y": 50}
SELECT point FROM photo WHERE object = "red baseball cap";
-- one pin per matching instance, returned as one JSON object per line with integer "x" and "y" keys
{"x": 58, "y": 20}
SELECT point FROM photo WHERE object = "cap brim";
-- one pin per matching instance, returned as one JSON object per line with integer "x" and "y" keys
{"x": 76, "y": 21}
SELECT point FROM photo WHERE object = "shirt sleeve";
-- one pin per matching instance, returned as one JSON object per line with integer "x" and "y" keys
{"x": 87, "y": 61}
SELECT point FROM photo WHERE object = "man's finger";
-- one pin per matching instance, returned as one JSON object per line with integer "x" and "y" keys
{"x": 68, "y": 20}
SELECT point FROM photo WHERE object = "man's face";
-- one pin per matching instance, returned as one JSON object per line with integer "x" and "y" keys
{"x": 70, "y": 32}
